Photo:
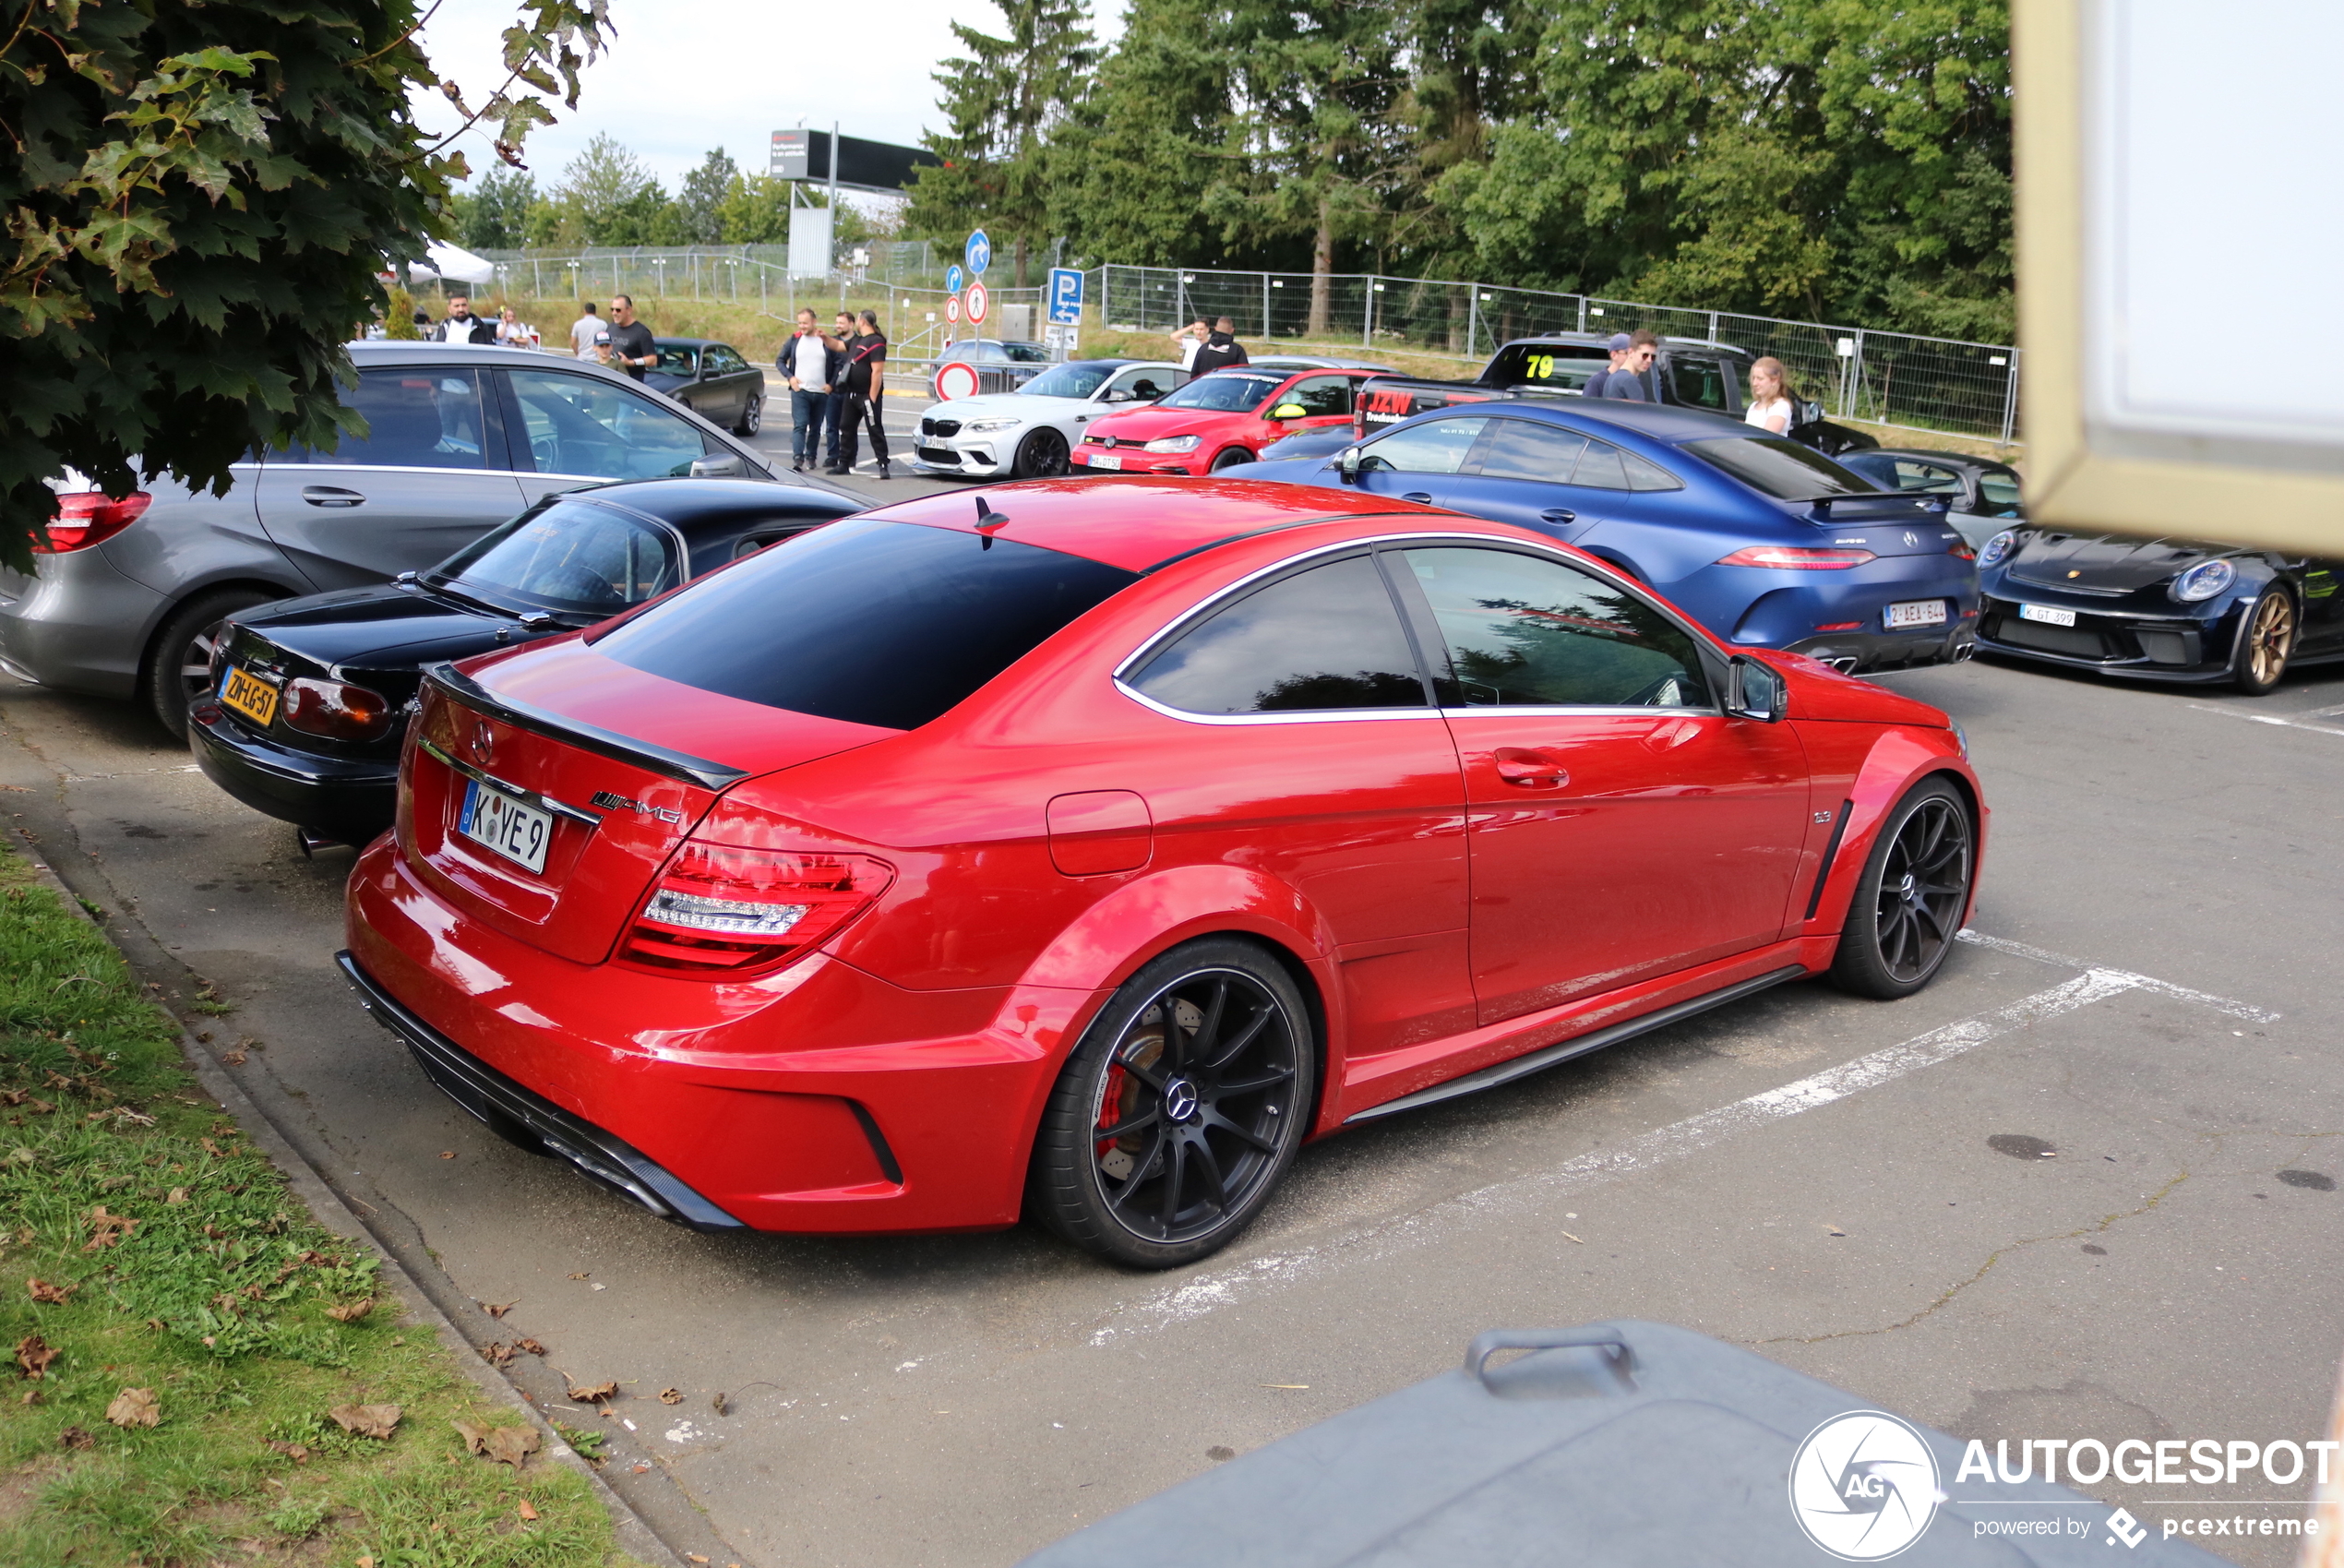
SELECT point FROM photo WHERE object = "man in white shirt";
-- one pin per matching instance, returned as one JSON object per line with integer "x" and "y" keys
{"x": 586, "y": 331}
{"x": 1190, "y": 339}
{"x": 805, "y": 361}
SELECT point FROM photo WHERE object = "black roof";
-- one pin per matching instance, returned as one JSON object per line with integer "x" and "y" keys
{"x": 1655, "y": 421}
{"x": 1943, "y": 459}
{"x": 1597, "y": 339}
{"x": 692, "y": 343}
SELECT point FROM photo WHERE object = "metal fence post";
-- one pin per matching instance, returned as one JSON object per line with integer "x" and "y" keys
{"x": 1855, "y": 373}
{"x": 1472, "y": 319}
{"x": 1367, "y": 315}
{"x": 1265, "y": 305}
{"x": 1583, "y": 313}
{"x": 2010, "y": 396}
{"x": 1712, "y": 326}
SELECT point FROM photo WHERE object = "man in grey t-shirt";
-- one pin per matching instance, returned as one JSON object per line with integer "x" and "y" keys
{"x": 586, "y": 331}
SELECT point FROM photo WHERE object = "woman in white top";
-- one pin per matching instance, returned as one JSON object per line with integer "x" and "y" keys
{"x": 1770, "y": 407}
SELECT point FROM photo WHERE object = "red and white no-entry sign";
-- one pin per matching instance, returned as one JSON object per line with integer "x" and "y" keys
{"x": 978, "y": 301}
{"x": 955, "y": 380}
{"x": 951, "y": 307}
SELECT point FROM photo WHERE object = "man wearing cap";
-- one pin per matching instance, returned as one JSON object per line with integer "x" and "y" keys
{"x": 1626, "y": 381}
{"x": 1618, "y": 346}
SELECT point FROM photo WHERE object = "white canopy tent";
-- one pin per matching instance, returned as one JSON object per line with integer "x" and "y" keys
{"x": 454, "y": 264}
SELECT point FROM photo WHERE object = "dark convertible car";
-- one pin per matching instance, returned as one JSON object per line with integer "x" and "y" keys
{"x": 310, "y": 698}
{"x": 713, "y": 381}
{"x": 2157, "y": 610}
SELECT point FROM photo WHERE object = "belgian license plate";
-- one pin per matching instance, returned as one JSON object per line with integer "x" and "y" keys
{"x": 249, "y": 694}
{"x": 2047, "y": 615}
{"x": 514, "y": 829}
{"x": 1105, "y": 460}
{"x": 1914, "y": 612}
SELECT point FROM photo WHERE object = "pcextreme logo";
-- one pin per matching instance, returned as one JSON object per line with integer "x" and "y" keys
{"x": 1863, "y": 1485}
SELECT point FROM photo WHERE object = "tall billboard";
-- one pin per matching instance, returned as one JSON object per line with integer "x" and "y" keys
{"x": 862, "y": 165}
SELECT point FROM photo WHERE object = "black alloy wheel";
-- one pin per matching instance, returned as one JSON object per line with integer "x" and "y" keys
{"x": 1042, "y": 455}
{"x": 2265, "y": 641}
{"x": 1180, "y": 1109}
{"x": 752, "y": 418}
{"x": 1230, "y": 459}
{"x": 178, "y": 668}
{"x": 1911, "y": 896}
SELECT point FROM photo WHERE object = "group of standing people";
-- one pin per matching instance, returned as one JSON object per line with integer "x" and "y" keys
{"x": 836, "y": 379}
{"x": 1206, "y": 346}
{"x": 622, "y": 343}
{"x": 462, "y": 327}
{"x": 1771, "y": 406}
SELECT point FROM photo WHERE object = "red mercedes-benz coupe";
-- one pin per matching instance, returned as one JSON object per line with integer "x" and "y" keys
{"x": 1086, "y": 849}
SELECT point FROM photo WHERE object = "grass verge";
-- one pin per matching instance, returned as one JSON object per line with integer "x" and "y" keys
{"x": 177, "y": 1334}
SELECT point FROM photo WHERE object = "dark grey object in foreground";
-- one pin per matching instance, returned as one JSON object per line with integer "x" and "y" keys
{"x": 1626, "y": 1444}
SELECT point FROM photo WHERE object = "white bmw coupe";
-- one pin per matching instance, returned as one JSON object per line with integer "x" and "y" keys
{"x": 1026, "y": 433}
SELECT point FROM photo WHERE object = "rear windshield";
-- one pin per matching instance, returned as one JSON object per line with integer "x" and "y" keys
{"x": 1783, "y": 470}
{"x": 1224, "y": 392}
{"x": 1562, "y": 366}
{"x": 872, "y": 622}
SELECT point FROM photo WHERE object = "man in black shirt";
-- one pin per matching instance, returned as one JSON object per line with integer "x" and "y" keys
{"x": 1220, "y": 351}
{"x": 632, "y": 348}
{"x": 865, "y": 378}
{"x": 462, "y": 326}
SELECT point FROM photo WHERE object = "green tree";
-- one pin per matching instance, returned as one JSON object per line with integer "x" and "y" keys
{"x": 1001, "y": 105}
{"x": 609, "y": 192}
{"x": 704, "y": 190}
{"x": 201, "y": 197}
{"x": 494, "y": 216}
{"x": 1143, "y": 157}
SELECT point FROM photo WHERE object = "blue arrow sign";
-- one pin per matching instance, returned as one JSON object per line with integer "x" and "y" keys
{"x": 1066, "y": 295}
{"x": 953, "y": 278}
{"x": 979, "y": 252}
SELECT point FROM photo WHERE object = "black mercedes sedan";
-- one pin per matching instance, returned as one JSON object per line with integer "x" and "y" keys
{"x": 713, "y": 379}
{"x": 2157, "y": 609}
{"x": 309, "y": 698}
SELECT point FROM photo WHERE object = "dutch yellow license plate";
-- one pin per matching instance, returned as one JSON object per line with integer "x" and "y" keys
{"x": 249, "y": 695}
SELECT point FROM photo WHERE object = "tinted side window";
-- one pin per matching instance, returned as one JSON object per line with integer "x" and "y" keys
{"x": 1517, "y": 449}
{"x": 1604, "y": 467}
{"x": 1438, "y": 445}
{"x": 1319, "y": 395}
{"x": 1328, "y": 638}
{"x": 1523, "y": 630}
{"x": 1928, "y": 478}
{"x": 573, "y": 557}
{"x": 876, "y": 623}
{"x": 1999, "y": 494}
{"x": 416, "y": 419}
{"x": 1644, "y": 475}
{"x": 1698, "y": 382}
{"x": 581, "y": 425}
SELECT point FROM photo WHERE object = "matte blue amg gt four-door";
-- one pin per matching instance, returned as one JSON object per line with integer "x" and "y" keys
{"x": 1767, "y": 542}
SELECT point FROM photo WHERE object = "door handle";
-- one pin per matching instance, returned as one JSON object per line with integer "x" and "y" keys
{"x": 1423, "y": 495}
{"x": 1557, "y": 514}
{"x": 1529, "y": 770}
{"x": 327, "y": 496}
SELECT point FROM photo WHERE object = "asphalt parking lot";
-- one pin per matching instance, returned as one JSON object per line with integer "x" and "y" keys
{"x": 1858, "y": 1190}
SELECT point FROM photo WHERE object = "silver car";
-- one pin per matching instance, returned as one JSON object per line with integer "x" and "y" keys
{"x": 461, "y": 438}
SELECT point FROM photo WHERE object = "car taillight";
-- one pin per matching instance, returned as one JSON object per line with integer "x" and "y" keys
{"x": 336, "y": 712}
{"x": 1796, "y": 557}
{"x": 1959, "y": 549}
{"x": 719, "y": 907}
{"x": 87, "y": 516}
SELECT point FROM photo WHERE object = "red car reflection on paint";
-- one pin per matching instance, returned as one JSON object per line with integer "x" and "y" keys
{"x": 1084, "y": 852}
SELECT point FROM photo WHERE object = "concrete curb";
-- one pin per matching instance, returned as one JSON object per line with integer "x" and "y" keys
{"x": 635, "y": 1536}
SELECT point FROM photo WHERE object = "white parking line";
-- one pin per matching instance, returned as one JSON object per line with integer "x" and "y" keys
{"x": 1228, "y": 1286}
{"x": 2293, "y": 722}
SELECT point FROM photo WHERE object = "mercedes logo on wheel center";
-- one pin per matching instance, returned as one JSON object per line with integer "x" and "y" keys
{"x": 1863, "y": 1485}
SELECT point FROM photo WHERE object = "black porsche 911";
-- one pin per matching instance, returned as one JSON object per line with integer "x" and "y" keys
{"x": 2157, "y": 610}
{"x": 309, "y": 698}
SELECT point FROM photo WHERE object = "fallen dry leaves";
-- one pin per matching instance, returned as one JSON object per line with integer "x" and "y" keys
{"x": 54, "y": 1295}
{"x": 529, "y": 1345}
{"x": 135, "y": 1407}
{"x": 105, "y": 1229}
{"x": 600, "y": 1393}
{"x": 497, "y": 1310}
{"x": 366, "y": 1420}
{"x": 178, "y": 1196}
{"x": 297, "y": 1453}
{"x": 671, "y": 1396}
{"x": 351, "y": 1312}
{"x": 34, "y": 1354}
{"x": 528, "y": 1512}
{"x": 73, "y": 1437}
{"x": 498, "y": 1353}
{"x": 505, "y": 1445}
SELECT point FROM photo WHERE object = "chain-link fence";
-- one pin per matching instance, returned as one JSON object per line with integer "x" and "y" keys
{"x": 1894, "y": 378}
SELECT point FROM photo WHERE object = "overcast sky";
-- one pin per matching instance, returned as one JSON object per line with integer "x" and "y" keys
{"x": 685, "y": 76}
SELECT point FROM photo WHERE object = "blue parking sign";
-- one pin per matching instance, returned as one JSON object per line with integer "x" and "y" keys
{"x": 979, "y": 254}
{"x": 1066, "y": 295}
{"x": 953, "y": 278}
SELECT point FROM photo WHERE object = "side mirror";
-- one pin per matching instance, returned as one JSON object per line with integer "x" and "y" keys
{"x": 718, "y": 465}
{"x": 1349, "y": 465}
{"x": 1754, "y": 690}
{"x": 1119, "y": 396}
{"x": 1289, "y": 411}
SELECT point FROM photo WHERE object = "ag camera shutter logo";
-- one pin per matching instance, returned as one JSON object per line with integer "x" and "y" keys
{"x": 1863, "y": 1485}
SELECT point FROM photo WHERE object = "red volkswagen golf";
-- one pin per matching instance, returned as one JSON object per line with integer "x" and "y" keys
{"x": 1084, "y": 851}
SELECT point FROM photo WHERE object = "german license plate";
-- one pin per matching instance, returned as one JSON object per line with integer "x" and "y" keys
{"x": 1914, "y": 612}
{"x": 514, "y": 829}
{"x": 1105, "y": 460}
{"x": 249, "y": 694}
{"x": 2047, "y": 615}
